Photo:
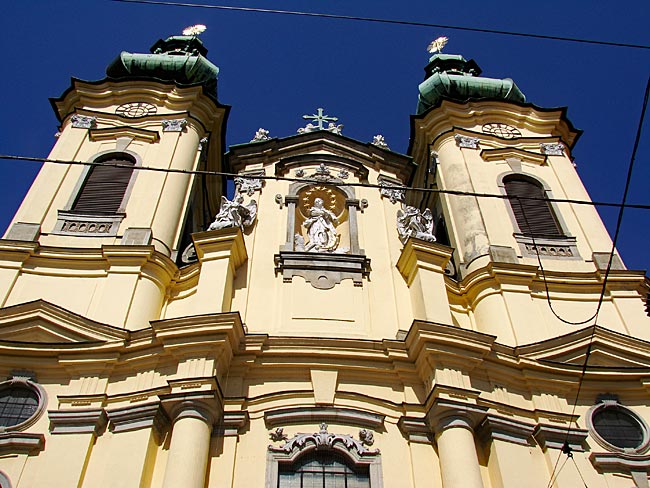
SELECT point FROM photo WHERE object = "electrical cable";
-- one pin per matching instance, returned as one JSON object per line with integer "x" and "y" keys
{"x": 557, "y": 474}
{"x": 579, "y": 473}
{"x": 499, "y": 196}
{"x": 387, "y": 21}
{"x": 619, "y": 221}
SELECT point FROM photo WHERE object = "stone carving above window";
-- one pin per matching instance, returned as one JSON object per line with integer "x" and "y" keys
{"x": 83, "y": 121}
{"x": 235, "y": 214}
{"x": 552, "y": 149}
{"x": 174, "y": 125}
{"x": 467, "y": 142}
{"x": 411, "y": 222}
{"x": 324, "y": 439}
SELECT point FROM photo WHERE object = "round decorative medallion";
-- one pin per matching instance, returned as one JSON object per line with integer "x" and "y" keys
{"x": 504, "y": 131}
{"x": 135, "y": 109}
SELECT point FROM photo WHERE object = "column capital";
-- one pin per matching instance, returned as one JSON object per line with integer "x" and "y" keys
{"x": 446, "y": 414}
{"x": 202, "y": 405}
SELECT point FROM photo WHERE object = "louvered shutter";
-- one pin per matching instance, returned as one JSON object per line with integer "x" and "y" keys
{"x": 105, "y": 186}
{"x": 539, "y": 220}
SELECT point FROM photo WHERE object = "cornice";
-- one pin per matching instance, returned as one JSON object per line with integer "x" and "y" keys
{"x": 275, "y": 150}
{"x": 104, "y": 93}
{"x": 68, "y": 261}
{"x": 135, "y": 133}
{"x": 450, "y": 114}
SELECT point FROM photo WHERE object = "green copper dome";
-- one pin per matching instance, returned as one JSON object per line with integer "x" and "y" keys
{"x": 180, "y": 59}
{"x": 451, "y": 76}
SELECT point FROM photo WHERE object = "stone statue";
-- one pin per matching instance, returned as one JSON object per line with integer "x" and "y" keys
{"x": 413, "y": 223}
{"x": 320, "y": 229}
{"x": 234, "y": 214}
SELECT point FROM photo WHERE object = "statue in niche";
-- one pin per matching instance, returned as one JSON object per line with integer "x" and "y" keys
{"x": 413, "y": 223}
{"x": 234, "y": 214}
{"x": 321, "y": 229}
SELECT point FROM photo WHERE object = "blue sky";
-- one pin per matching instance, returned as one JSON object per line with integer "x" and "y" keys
{"x": 276, "y": 68}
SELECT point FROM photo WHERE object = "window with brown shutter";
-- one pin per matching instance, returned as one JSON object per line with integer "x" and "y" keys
{"x": 105, "y": 185}
{"x": 534, "y": 217}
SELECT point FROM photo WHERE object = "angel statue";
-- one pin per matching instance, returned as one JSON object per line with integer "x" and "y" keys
{"x": 234, "y": 214}
{"x": 413, "y": 223}
{"x": 320, "y": 228}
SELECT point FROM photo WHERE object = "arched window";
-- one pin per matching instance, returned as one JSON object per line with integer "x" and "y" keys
{"x": 105, "y": 185}
{"x": 322, "y": 469}
{"x": 97, "y": 206}
{"x": 534, "y": 217}
{"x": 324, "y": 460}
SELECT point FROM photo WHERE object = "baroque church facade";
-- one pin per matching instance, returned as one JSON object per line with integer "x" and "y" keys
{"x": 330, "y": 326}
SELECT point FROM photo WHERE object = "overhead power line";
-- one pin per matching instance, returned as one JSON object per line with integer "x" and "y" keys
{"x": 321, "y": 182}
{"x": 619, "y": 222}
{"x": 388, "y": 21}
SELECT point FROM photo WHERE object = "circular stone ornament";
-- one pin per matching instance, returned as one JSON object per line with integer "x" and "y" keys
{"x": 504, "y": 131}
{"x": 134, "y": 110}
{"x": 618, "y": 428}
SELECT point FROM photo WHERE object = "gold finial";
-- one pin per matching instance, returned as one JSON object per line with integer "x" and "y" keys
{"x": 194, "y": 30}
{"x": 437, "y": 45}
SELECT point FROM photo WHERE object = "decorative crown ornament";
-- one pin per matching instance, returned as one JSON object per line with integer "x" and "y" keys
{"x": 437, "y": 45}
{"x": 194, "y": 30}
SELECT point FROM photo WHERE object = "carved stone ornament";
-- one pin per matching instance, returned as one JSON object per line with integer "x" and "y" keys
{"x": 174, "y": 125}
{"x": 467, "y": 142}
{"x": 235, "y": 214}
{"x": 411, "y": 222}
{"x": 278, "y": 435}
{"x": 366, "y": 437}
{"x": 300, "y": 173}
{"x": 379, "y": 141}
{"x": 249, "y": 184}
{"x": 203, "y": 143}
{"x": 322, "y": 173}
{"x": 552, "y": 148}
{"x": 83, "y": 121}
{"x": 323, "y": 439}
{"x": 189, "y": 255}
{"x": 261, "y": 135}
{"x": 390, "y": 191}
{"x": 343, "y": 174}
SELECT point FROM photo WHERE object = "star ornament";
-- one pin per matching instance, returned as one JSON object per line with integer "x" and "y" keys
{"x": 437, "y": 45}
{"x": 194, "y": 30}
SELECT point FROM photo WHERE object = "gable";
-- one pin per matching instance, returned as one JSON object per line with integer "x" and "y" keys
{"x": 608, "y": 349}
{"x": 42, "y": 322}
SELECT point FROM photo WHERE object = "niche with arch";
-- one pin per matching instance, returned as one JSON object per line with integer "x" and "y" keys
{"x": 322, "y": 241}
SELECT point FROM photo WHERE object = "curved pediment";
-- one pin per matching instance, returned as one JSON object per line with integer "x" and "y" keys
{"x": 608, "y": 349}
{"x": 43, "y": 322}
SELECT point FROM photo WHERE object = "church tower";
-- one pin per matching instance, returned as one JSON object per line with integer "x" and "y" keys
{"x": 351, "y": 316}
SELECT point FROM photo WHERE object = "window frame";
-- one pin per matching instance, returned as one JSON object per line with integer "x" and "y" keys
{"x": 89, "y": 224}
{"x": 25, "y": 382}
{"x": 614, "y": 404}
{"x": 562, "y": 247}
{"x": 345, "y": 446}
